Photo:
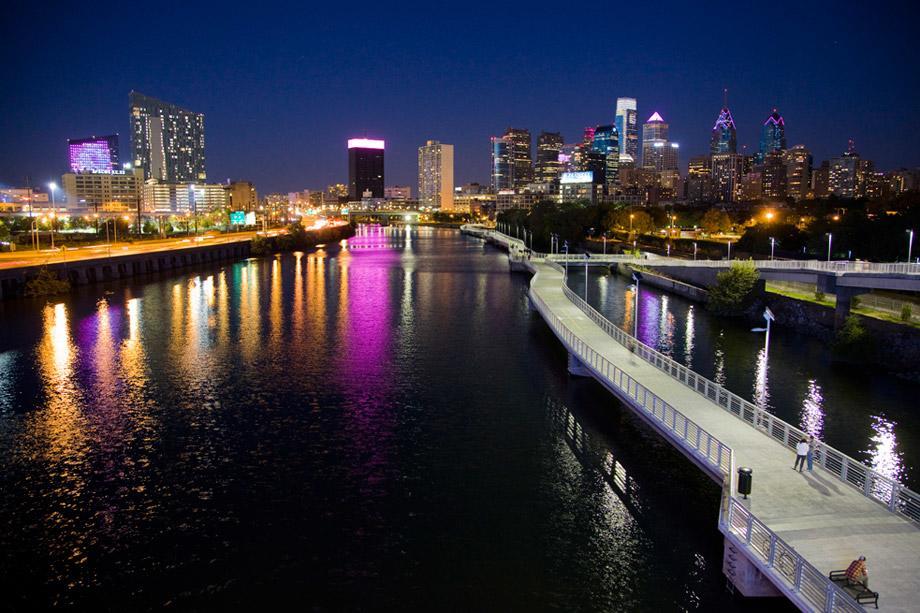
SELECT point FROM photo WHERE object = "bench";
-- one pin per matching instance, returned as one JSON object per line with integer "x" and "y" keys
{"x": 856, "y": 589}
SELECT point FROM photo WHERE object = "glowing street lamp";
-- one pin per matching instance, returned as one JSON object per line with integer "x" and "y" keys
{"x": 830, "y": 238}
{"x": 910, "y": 244}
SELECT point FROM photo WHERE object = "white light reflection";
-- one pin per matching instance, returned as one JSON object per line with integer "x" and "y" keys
{"x": 689, "y": 335}
{"x": 761, "y": 381}
{"x": 884, "y": 457}
{"x": 812, "y": 418}
{"x": 718, "y": 359}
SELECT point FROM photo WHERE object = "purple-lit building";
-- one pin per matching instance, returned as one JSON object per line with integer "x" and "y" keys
{"x": 96, "y": 154}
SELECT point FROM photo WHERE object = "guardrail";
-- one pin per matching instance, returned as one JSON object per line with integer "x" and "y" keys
{"x": 689, "y": 435}
{"x": 780, "y": 560}
{"x": 804, "y": 581}
{"x": 896, "y": 497}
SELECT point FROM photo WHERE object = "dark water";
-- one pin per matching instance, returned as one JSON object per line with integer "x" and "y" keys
{"x": 377, "y": 427}
{"x": 865, "y": 413}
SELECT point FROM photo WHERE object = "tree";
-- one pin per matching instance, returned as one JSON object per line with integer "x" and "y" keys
{"x": 716, "y": 221}
{"x": 732, "y": 291}
{"x": 852, "y": 342}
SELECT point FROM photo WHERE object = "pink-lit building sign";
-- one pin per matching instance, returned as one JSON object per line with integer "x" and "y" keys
{"x": 364, "y": 143}
{"x": 94, "y": 154}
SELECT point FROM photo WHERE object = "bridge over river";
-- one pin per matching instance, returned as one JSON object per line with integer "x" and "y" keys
{"x": 795, "y": 527}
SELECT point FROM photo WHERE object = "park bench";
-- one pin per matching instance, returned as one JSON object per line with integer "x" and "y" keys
{"x": 856, "y": 589}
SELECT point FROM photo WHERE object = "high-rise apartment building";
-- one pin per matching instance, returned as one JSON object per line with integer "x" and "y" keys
{"x": 773, "y": 176}
{"x": 727, "y": 170}
{"x": 365, "y": 168}
{"x": 772, "y": 136}
{"x": 658, "y": 153}
{"x": 627, "y": 124}
{"x": 798, "y": 172}
{"x": 521, "y": 157}
{"x": 699, "y": 179}
{"x": 549, "y": 164}
{"x": 167, "y": 141}
{"x": 606, "y": 142}
{"x": 724, "y": 139}
{"x": 94, "y": 154}
{"x": 436, "y": 175}
{"x": 847, "y": 173}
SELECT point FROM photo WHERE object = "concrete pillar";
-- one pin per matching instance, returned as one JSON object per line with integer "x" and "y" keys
{"x": 746, "y": 578}
{"x": 576, "y": 368}
{"x": 844, "y": 299}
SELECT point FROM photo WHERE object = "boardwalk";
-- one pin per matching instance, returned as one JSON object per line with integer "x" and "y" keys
{"x": 824, "y": 519}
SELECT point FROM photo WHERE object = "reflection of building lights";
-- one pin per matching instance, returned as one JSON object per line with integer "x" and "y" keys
{"x": 761, "y": 383}
{"x": 812, "y": 420}
{"x": 885, "y": 458}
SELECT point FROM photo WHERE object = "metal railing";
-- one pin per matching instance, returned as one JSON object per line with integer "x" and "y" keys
{"x": 896, "y": 497}
{"x": 803, "y": 581}
{"x": 687, "y": 433}
{"x": 780, "y": 560}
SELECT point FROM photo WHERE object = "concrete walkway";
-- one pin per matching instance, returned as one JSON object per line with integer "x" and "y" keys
{"x": 825, "y": 520}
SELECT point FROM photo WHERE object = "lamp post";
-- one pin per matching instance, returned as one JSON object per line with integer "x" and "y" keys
{"x": 694, "y": 250}
{"x": 767, "y": 315}
{"x": 605, "y": 245}
{"x": 772, "y": 246}
{"x": 566, "y": 247}
{"x": 910, "y": 244}
{"x": 586, "y": 276}
{"x": 51, "y": 223}
{"x": 729, "y": 250}
{"x": 636, "y": 277}
{"x": 830, "y": 238}
{"x": 631, "y": 215}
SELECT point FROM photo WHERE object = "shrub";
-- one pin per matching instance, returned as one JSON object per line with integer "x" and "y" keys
{"x": 852, "y": 341}
{"x": 906, "y": 312}
{"x": 46, "y": 283}
{"x": 259, "y": 246}
{"x": 854, "y": 302}
{"x": 732, "y": 291}
{"x": 819, "y": 295}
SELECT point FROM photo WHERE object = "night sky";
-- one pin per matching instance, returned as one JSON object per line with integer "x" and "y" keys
{"x": 283, "y": 87}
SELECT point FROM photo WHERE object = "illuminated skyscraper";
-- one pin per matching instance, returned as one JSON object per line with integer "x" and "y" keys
{"x": 97, "y": 154}
{"x": 167, "y": 141}
{"x": 436, "y": 175}
{"x": 798, "y": 172}
{"x": 365, "y": 168}
{"x": 549, "y": 165}
{"x": 502, "y": 169}
{"x": 727, "y": 170}
{"x": 658, "y": 153}
{"x": 699, "y": 179}
{"x": 772, "y": 136}
{"x": 521, "y": 157}
{"x": 606, "y": 142}
{"x": 627, "y": 123}
{"x": 724, "y": 139}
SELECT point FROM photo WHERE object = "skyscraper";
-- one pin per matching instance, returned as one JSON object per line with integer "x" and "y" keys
{"x": 699, "y": 179}
{"x": 627, "y": 123}
{"x": 521, "y": 158}
{"x": 96, "y": 154}
{"x": 798, "y": 172}
{"x": 658, "y": 153}
{"x": 606, "y": 142}
{"x": 365, "y": 168}
{"x": 502, "y": 169}
{"x": 848, "y": 174}
{"x": 724, "y": 139}
{"x": 549, "y": 148}
{"x": 773, "y": 176}
{"x": 436, "y": 175}
{"x": 727, "y": 170}
{"x": 167, "y": 141}
{"x": 772, "y": 136}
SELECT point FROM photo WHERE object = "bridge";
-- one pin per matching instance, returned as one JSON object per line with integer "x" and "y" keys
{"x": 795, "y": 527}
{"x": 382, "y": 216}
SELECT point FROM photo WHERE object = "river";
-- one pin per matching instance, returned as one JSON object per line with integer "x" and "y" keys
{"x": 379, "y": 424}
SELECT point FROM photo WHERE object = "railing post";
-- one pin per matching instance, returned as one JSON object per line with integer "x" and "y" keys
{"x": 749, "y": 529}
{"x": 719, "y": 462}
{"x": 799, "y": 566}
{"x": 831, "y": 595}
{"x": 772, "y": 556}
{"x": 893, "y": 501}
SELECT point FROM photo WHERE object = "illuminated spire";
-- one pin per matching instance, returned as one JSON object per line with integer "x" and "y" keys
{"x": 655, "y": 117}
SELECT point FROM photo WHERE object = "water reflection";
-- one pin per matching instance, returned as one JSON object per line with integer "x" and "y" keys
{"x": 689, "y": 333}
{"x": 884, "y": 455}
{"x": 761, "y": 380}
{"x": 812, "y": 418}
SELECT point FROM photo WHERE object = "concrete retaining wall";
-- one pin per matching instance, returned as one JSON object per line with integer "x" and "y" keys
{"x": 690, "y": 292}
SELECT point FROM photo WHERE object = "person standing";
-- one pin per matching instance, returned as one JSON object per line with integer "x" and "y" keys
{"x": 812, "y": 448}
{"x": 801, "y": 452}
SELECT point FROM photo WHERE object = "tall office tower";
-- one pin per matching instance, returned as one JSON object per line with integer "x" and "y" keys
{"x": 502, "y": 168}
{"x": 607, "y": 143}
{"x": 365, "y": 168}
{"x": 436, "y": 175}
{"x": 627, "y": 123}
{"x": 98, "y": 154}
{"x": 848, "y": 174}
{"x": 657, "y": 152}
{"x": 167, "y": 141}
{"x": 724, "y": 139}
{"x": 798, "y": 172}
{"x": 699, "y": 179}
{"x": 727, "y": 170}
{"x": 773, "y": 176}
{"x": 521, "y": 158}
{"x": 772, "y": 136}
{"x": 549, "y": 164}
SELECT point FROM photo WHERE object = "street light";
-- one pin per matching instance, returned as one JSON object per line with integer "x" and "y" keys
{"x": 694, "y": 250}
{"x": 631, "y": 215}
{"x": 53, "y": 187}
{"x": 772, "y": 246}
{"x": 768, "y": 315}
{"x": 637, "y": 276}
{"x": 830, "y": 238}
{"x": 910, "y": 244}
{"x": 729, "y": 251}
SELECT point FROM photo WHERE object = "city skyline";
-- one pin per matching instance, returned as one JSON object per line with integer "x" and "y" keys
{"x": 257, "y": 132}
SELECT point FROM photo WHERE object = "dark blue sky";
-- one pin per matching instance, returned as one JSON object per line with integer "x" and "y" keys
{"x": 282, "y": 87}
